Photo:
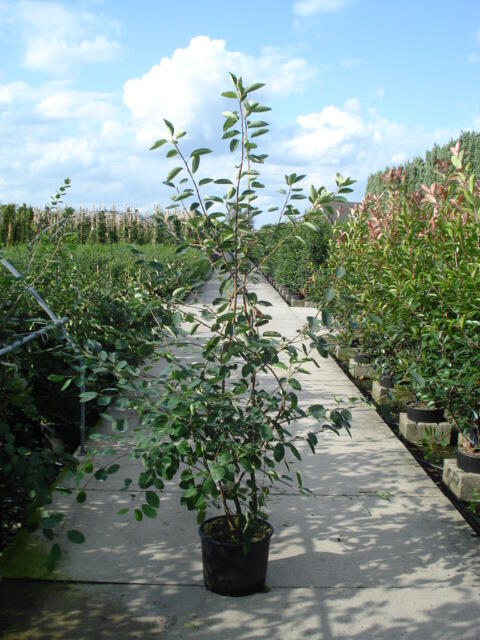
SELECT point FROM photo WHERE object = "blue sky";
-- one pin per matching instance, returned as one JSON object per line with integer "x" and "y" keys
{"x": 354, "y": 85}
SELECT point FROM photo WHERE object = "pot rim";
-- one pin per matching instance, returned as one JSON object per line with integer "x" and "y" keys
{"x": 465, "y": 452}
{"x": 232, "y": 544}
{"x": 433, "y": 407}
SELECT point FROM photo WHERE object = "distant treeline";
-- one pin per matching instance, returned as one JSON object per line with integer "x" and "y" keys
{"x": 422, "y": 171}
{"x": 22, "y": 223}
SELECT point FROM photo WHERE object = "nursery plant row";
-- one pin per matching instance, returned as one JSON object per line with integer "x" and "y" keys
{"x": 116, "y": 301}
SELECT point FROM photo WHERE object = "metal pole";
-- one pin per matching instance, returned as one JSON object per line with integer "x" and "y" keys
{"x": 32, "y": 336}
{"x": 57, "y": 322}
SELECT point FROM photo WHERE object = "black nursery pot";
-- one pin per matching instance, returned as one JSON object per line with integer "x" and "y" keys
{"x": 362, "y": 358}
{"x": 227, "y": 570}
{"x": 467, "y": 461}
{"x": 424, "y": 414}
{"x": 386, "y": 381}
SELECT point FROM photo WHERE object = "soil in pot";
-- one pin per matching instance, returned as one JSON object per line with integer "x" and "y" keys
{"x": 468, "y": 460}
{"x": 420, "y": 412}
{"x": 227, "y": 569}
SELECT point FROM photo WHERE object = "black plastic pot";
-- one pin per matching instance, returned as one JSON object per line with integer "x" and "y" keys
{"x": 468, "y": 461}
{"x": 386, "y": 381}
{"x": 424, "y": 414}
{"x": 227, "y": 570}
{"x": 362, "y": 358}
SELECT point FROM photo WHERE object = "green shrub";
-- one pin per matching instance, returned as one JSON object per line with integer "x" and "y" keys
{"x": 411, "y": 286}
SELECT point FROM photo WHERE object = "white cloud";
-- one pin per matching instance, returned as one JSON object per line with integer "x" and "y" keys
{"x": 186, "y": 87}
{"x": 56, "y": 37}
{"x": 64, "y": 154}
{"x": 44, "y": 54}
{"x": 13, "y": 91}
{"x": 352, "y": 143}
{"x": 76, "y": 105}
{"x": 325, "y": 132}
{"x": 305, "y": 8}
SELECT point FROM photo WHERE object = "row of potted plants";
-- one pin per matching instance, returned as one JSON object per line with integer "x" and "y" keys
{"x": 408, "y": 296}
{"x": 294, "y": 299}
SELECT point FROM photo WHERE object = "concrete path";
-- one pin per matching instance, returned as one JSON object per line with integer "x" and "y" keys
{"x": 376, "y": 553}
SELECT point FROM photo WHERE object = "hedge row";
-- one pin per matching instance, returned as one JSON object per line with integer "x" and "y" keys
{"x": 429, "y": 169}
{"x": 21, "y": 224}
{"x": 116, "y": 299}
{"x": 297, "y": 264}
{"x": 411, "y": 290}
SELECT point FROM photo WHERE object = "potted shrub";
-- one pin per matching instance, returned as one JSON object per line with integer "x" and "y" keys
{"x": 426, "y": 406}
{"x": 468, "y": 451}
{"x": 210, "y": 420}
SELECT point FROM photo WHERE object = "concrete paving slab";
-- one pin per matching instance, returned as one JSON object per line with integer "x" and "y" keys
{"x": 320, "y": 541}
{"x": 376, "y": 552}
{"x": 130, "y": 612}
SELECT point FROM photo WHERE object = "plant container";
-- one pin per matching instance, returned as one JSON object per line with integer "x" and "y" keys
{"x": 227, "y": 570}
{"x": 386, "y": 381}
{"x": 296, "y": 296}
{"x": 362, "y": 358}
{"x": 468, "y": 461}
{"x": 421, "y": 413}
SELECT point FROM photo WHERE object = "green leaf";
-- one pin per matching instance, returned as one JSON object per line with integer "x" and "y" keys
{"x": 66, "y": 384}
{"x": 174, "y": 172}
{"x": 294, "y": 383}
{"x": 229, "y": 94}
{"x": 317, "y": 411}
{"x": 101, "y": 475}
{"x": 217, "y": 471}
{"x": 195, "y": 163}
{"x": 340, "y": 272}
{"x": 254, "y": 87}
{"x": 329, "y": 294}
{"x": 138, "y": 515}
{"x": 169, "y": 126}
{"x": 81, "y": 496}
{"x": 53, "y": 557}
{"x": 122, "y": 512}
{"x": 158, "y": 143}
{"x": 88, "y": 395}
{"x": 279, "y": 452}
{"x": 257, "y": 124}
{"x": 149, "y": 511}
{"x": 152, "y": 499}
{"x": 234, "y": 144}
{"x": 266, "y": 432}
{"x": 258, "y": 132}
{"x": 54, "y": 377}
{"x": 200, "y": 152}
{"x": 113, "y": 468}
{"x": 75, "y": 536}
{"x": 326, "y": 318}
